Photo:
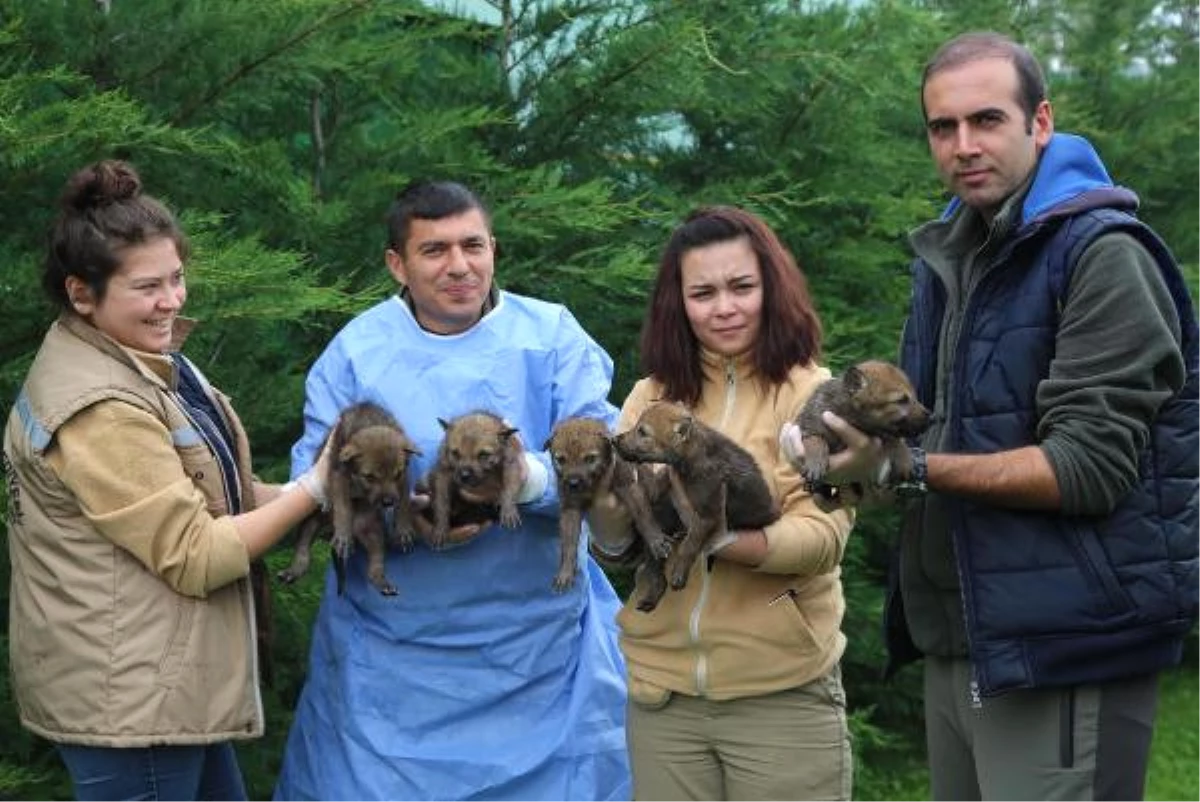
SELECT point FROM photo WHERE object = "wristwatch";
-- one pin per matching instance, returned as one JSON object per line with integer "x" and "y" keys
{"x": 914, "y": 486}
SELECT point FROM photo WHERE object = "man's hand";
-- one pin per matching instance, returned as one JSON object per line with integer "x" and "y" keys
{"x": 610, "y": 524}
{"x": 457, "y": 536}
{"x": 862, "y": 460}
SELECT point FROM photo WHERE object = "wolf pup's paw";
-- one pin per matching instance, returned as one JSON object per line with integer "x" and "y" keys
{"x": 509, "y": 517}
{"x": 656, "y": 587}
{"x": 659, "y": 545}
{"x": 340, "y": 544}
{"x": 679, "y": 575}
{"x": 563, "y": 580}
{"x": 383, "y": 584}
{"x": 403, "y": 540}
{"x": 287, "y": 576}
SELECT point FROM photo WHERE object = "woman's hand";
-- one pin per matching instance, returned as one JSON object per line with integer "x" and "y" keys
{"x": 315, "y": 480}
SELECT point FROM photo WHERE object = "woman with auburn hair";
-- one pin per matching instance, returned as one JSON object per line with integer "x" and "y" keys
{"x": 734, "y": 682}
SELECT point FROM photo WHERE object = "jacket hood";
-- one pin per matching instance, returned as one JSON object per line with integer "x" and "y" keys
{"x": 1068, "y": 169}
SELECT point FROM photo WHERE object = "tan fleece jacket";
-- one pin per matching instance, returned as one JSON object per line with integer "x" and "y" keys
{"x": 739, "y": 631}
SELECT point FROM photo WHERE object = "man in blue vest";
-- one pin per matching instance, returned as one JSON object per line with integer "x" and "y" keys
{"x": 1048, "y": 563}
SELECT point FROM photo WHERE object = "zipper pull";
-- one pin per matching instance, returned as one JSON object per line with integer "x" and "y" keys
{"x": 976, "y": 698}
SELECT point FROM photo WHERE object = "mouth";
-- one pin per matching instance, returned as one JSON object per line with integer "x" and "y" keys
{"x": 162, "y": 326}
{"x": 974, "y": 176}
{"x": 460, "y": 291}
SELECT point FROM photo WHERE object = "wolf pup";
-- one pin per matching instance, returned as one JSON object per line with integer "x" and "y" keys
{"x": 714, "y": 483}
{"x": 587, "y": 466}
{"x": 368, "y": 495}
{"x": 874, "y": 397}
{"x": 477, "y": 465}
{"x": 650, "y": 567}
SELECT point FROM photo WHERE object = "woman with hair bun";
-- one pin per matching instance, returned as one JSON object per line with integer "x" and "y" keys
{"x": 133, "y": 517}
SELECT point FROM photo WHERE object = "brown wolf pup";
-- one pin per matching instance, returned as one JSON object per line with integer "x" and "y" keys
{"x": 715, "y": 484}
{"x": 477, "y": 473}
{"x": 368, "y": 495}
{"x": 587, "y": 466}
{"x": 650, "y": 567}
{"x": 874, "y": 397}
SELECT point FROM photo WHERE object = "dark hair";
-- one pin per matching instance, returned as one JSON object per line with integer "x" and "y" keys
{"x": 429, "y": 200}
{"x": 968, "y": 47}
{"x": 790, "y": 331}
{"x": 102, "y": 211}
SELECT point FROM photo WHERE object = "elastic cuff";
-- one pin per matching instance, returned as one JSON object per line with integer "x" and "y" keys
{"x": 312, "y": 484}
{"x": 537, "y": 479}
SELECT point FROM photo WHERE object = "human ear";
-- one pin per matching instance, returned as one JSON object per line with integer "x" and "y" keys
{"x": 80, "y": 295}
{"x": 395, "y": 264}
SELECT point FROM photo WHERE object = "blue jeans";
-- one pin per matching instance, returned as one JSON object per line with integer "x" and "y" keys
{"x": 154, "y": 772}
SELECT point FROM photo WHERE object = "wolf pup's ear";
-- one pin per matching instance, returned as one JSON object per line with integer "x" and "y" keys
{"x": 445, "y": 424}
{"x": 683, "y": 427}
{"x": 508, "y": 432}
{"x": 853, "y": 380}
{"x": 549, "y": 441}
{"x": 414, "y": 451}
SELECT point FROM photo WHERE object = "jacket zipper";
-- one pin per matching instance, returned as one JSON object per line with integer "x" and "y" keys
{"x": 694, "y": 618}
{"x": 231, "y": 484}
{"x": 958, "y": 361}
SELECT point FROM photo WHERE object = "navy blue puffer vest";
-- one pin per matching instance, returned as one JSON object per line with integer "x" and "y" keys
{"x": 1051, "y": 599}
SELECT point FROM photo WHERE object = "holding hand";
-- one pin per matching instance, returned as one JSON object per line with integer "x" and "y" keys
{"x": 316, "y": 479}
{"x": 863, "y": 459}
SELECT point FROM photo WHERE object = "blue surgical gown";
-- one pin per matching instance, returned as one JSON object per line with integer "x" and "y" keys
{"x": 477, "y": 681}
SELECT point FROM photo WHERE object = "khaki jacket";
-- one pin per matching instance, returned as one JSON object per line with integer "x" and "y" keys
{"x": 131, "y": 620}
{"x": 739, "y": 631}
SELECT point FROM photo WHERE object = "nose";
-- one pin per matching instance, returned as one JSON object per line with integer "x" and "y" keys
{"x": 964, "y": 141}
{"x": 172, "y": 297}
{"x": 723, "y": 303}
{"x": 457, "y": 260}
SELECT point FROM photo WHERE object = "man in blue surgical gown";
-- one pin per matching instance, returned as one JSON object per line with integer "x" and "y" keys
{"x": 477, "y": 681}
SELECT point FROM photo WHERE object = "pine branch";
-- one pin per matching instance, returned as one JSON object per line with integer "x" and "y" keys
{"x": 182, "y": 117}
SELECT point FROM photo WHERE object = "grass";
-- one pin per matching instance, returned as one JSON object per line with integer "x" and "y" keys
{"x": 1175, "y": 754}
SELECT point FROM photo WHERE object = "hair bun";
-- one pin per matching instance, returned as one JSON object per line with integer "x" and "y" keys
{"x": 101, "y": 184}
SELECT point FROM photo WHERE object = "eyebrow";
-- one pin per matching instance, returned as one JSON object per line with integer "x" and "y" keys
{"x": 473, "y": 239}
{"x": 972, "y": 117}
